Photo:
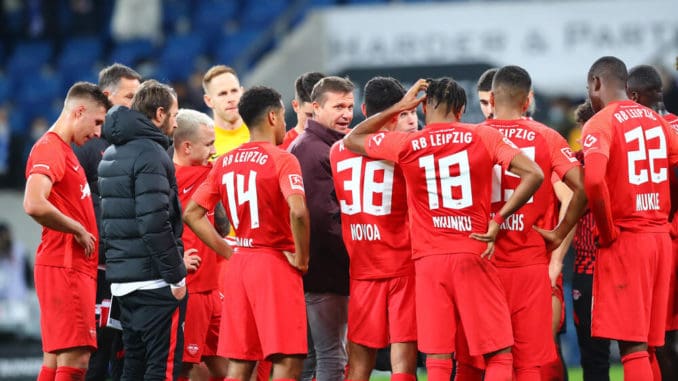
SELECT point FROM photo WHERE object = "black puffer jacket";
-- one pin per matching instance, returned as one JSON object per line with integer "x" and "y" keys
{"x": 141, "y": 214}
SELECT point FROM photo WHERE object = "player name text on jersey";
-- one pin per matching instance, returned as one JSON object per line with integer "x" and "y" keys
{"x": 461, "y": 223}
{"x": 647, "y": 201}
{"x": 513, "y": 222}
{"x": 243, "y": 242}
{"x": 365, "y": 232}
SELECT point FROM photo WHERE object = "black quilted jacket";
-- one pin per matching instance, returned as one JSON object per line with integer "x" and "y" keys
{"x": 141, "y": 214}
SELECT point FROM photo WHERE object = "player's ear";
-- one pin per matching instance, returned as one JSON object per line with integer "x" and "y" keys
{"x": 363, "y": 108}
{"x": 596, "y": 83}
{"x": 272, "y": 117}
{"x": 460, "y": 113}
{"x": 492, "y": 99}
{"x": 208, "y": 101}
{"x": 159, "y": 115}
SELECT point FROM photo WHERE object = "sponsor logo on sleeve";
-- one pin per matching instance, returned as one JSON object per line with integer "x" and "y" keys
{"x": 296, "y": 182}
{"x": 590, "y": 142}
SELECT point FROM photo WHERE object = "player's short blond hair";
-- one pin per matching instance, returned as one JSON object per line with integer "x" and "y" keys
{"x": 216, "y": 71}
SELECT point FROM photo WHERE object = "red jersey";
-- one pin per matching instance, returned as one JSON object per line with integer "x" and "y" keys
{"x": 672, "y": 119}
{"x": 253, "y": 182}
{"x": 206, "y": 277}
{"x": 448, "y": 172}
{"x": 374, "y": 223}
{"x": 517, "y": 243}
{"x": 52, "y": 157}
{"x": 639, "y": 145}
{"x": 289, "y": 138}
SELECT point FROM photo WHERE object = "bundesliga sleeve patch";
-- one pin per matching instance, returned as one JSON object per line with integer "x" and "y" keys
{"x": 296, "y": 182}
{"x": 567, "y": 152}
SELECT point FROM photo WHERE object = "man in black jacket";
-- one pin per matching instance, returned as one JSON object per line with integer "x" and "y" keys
{"x": 119, "y": 83}
{"x": 142, "y": 227}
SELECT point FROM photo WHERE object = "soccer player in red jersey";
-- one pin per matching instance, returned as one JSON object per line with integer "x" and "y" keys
{"x": 627, "y": 152}
{"x": 372, "y": 200}
{"x": 644, "y": 85}
{"x": 58, "y": 197}
{"x": 448, "y": 169}
{"x": 520, "y": 252}
{"x": 302, "y": 105}
{"x": 264, "y": 315}
{"x": 193, "y": 147}
{"x": 594, "y": 352}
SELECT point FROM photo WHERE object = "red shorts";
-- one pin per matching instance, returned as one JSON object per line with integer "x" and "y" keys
{"x": 631, "y": 288}
{"x": 557, "y": 291}
{"x": 460, "y": 289}
{"x": 201, "y": 329}
{"x": 672, "y": 321}
{"x": 264, "y": 312}
{"x": 67, "y": 298}
{"x": 382, "y": 311}
{"x": 528, "y": 293}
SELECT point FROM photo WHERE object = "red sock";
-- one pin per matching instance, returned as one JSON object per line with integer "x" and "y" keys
{"x": 403, "y": 377}
{"x": 466, "y": 372}
{"x": 47, "y": 374}
{"x": 264, "y": 370}
{"x": 499, "y": 367}
{"x": 654, "y": 364}
{"x": 528, "y": 374}
{"x": 439, "y": 369}
{"x": 67, "y": 373}
{"x": 637, "y": 366}
{"x": 553, "y": 371}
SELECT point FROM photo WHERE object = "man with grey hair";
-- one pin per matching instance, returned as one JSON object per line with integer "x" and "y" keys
{"x": 193, "y": 147}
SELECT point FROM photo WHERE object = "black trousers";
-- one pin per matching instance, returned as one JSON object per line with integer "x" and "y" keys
{"x": 152, "y": 333}
{"x": 107, "y": 358}
{"x": 595, "y": 353}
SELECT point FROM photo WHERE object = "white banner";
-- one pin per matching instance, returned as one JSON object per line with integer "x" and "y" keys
{"x": 555, "y": 41}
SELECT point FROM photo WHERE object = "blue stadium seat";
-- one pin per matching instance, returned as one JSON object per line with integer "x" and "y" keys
{"x": 179, "y": 54}
{"x": 365, "y": 1}
{"x": 28, "y": 58}
{"x": 6, "y": 89}
{"x": 211, "y": 16}
{"x": 261, "y": 13}
{"x": 233, "y": 45}
{"x": 37, "y": 93}
{"x": 17, "y": 121}
{"x": 79, "y": 56}
{"x": 174, "y": 12}
{"x": 129, "y": 52}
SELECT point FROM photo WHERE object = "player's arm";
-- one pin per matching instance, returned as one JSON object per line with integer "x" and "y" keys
{"x": 564, "y": 195}
{"x": 37, "y": 205}
{"x": 356, "y": 139}
{"x": 599, "y": 196}
{"x": 531, "y": 177}
{"x": 195, "y": 216}
{"x": 300, "y": 225}
{"x": 574, "y": 182}
{"x": 221, "y": 220}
